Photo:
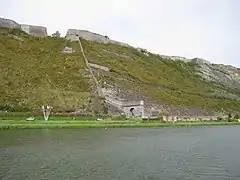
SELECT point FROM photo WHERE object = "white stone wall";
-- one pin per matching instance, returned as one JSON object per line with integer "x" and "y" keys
{"x": 74, "y": 34}
{"x": 9, "y": 23}
{"x": 138, "y": 111}
{"x": 38, "y": 31}
{"x": 25, "y": 28}
{"x": 99, "y": 67}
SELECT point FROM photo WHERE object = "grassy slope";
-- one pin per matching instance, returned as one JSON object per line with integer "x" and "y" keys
{"x": 35, "y": 72}
{"x": 171, "y": 82}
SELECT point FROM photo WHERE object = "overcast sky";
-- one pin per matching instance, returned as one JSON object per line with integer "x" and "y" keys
{"x": 209, "y": 29}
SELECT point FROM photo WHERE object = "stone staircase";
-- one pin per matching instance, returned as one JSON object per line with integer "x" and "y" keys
{"x": 99, "y": 90}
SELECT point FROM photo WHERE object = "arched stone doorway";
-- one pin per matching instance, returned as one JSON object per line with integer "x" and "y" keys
{"x": 132, "y": 112}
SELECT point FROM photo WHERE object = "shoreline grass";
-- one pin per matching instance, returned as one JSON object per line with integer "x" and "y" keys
{"x": 21, "y": 124}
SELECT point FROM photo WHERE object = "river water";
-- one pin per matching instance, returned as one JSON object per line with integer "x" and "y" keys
{"x": 197, "y": 153}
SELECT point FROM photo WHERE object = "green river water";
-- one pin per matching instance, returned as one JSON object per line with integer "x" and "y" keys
{"x": 167, "y": 153}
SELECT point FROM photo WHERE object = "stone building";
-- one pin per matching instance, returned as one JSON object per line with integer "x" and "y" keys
{"x": 133, "y": 109}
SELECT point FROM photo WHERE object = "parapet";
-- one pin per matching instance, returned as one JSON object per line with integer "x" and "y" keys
{"x": 74, "y": 34}
{"x": 38, "y": 31}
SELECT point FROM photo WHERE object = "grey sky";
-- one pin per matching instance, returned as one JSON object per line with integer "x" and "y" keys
{"x": 209, "y": 29}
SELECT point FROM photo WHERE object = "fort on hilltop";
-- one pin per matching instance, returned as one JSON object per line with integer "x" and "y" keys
{"x": 74, "y": 34}
{"x": 85, "y": 70}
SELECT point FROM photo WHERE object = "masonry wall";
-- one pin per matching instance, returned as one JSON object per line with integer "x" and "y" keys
{"x": 38, "y": 31}
{"x": 137, "y": 111}
{"x": 9, "y": 23}
{"x": 73, "y": 34}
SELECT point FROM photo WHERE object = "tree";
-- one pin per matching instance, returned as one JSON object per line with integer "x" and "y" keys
{"x": 56, "y": 34}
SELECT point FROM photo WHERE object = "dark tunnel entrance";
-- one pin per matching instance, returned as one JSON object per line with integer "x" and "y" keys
{"x": 132, "y": 113}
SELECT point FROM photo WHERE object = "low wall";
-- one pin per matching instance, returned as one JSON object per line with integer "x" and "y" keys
{"x": 194, "y": 118}
{"x": 98, "y": 66}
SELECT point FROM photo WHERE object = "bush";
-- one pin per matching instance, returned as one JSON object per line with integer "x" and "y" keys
{"x": 56, "y": 34}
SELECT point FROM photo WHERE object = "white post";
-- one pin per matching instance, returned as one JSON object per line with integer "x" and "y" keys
{"x": 46, "y": 112}
{"x": 142, "y": 104}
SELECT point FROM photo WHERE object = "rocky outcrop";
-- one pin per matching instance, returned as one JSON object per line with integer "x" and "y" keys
{"x": 175, "y": 58}
{"x": 38, "y": 31}
{"x": 9, "y": 23}
{"x": 184, "y": 59}
{"x": 223, "y": 74}
{"x": 74, "y": 34}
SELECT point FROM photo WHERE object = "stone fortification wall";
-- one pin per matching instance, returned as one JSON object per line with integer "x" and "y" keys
{"x": 9, "y": 23}
{"x": 74, "y": 34}
{"x": 38, "y": 31}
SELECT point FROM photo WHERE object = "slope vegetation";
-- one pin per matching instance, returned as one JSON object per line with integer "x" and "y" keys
{"x": 34, "y": 71}
{"x": 175, "y": 83}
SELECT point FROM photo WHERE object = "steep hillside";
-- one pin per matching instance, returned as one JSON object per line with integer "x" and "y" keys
{"x": 174, "y": 83}
{"x": 34, "y": 71}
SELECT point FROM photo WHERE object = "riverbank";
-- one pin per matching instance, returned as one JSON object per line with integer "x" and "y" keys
{"x": 22, "y": 124}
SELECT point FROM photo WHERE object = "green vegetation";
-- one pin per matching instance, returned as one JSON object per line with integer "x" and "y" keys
{"x": 22, "y": 124}
{"x": 18, "y": 121}
{"x": 171, "y": 82}
{"x": 35, "y": 72}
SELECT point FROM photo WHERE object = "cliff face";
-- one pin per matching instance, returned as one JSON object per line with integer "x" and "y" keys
{"x": 223, "y": 74}
{"x": 38, "y": 31}
{"x": 218, "y": 73}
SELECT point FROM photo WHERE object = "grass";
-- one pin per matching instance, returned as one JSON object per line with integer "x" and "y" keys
{"x": 103, "y": 125}
{"x": 170, "y": 82}
{"x": 64, "y": 122}
{"x": 35, "y": 72}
